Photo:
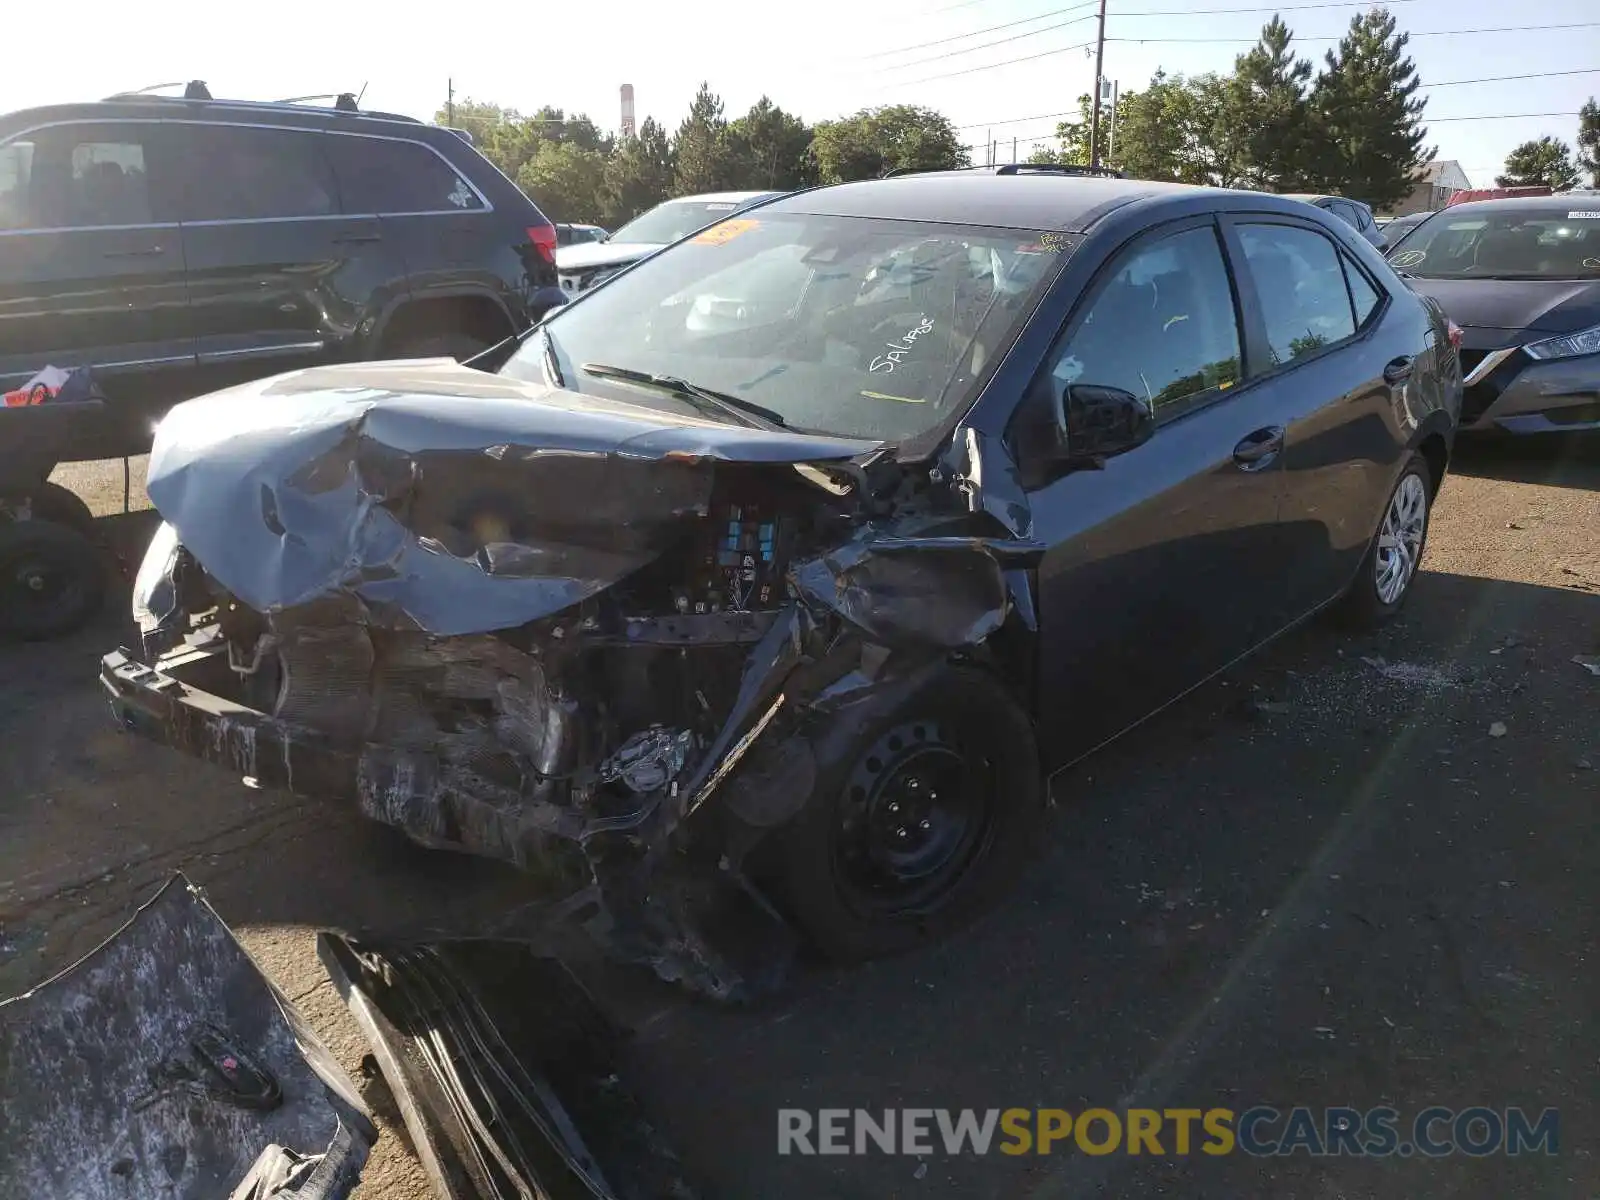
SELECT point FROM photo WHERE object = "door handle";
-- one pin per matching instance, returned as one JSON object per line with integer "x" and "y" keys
{"x": 146, "y": 252}
{"x": 1259, "y": 449}
{"x": 1398, "y": 370}
{"x": 345, "y": 238}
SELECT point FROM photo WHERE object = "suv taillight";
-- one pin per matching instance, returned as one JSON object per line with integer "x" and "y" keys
{"x": 543, "y": 238}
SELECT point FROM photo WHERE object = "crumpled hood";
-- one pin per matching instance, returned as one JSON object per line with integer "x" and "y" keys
{"x": 602, "y": 254}
{"x": 438, "y": 497}
{"x": 1552, "y": 306}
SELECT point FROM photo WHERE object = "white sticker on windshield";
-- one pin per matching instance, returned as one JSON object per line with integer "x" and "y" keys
{"x": 719, "y": 207}
{"x": 1583, "y": 216}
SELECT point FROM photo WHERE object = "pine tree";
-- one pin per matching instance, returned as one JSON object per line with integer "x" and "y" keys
{"x": 1544, "y": 163}
{"x": 1268, "y": 109}
{"x": 771, "y": 148}
{"x": 704, "y": 163}
{"x": 1589, "y": 141}
{"x": 1367, "y": 116}
{"x": 638, "y": 175}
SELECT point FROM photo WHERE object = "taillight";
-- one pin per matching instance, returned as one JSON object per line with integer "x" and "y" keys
{"x": 543, "y": 238}
{"x": 1455, "y": 333}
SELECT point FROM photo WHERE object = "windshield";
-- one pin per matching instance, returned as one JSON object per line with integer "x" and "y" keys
{"x": 1504, "y": 243}
{"x": 675, "y": 219}
{"x": 855, "y": 326}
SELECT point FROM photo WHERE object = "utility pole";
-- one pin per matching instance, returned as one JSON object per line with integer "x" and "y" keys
{"x": 450, "y": 102}
{"x": 1013, "y": 150}
{"x": 1099, "y": 64}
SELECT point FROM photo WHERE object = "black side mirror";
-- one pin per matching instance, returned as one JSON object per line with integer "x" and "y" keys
{"x": 1094, "y": 423}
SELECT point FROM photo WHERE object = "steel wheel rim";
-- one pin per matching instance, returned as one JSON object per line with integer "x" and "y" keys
{"x": 1400, "y": 540}
{"x": 37, "y": 585}
{"x": 914, "y": 816}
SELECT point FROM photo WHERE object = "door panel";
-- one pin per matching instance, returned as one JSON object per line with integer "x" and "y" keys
{"x": 1329, "y": 344}
{"x": 1159, "y": 568}
{"x": 92, "y": 271}
{"x": 279, "y": 277}
{"x": 1160, "y": 565}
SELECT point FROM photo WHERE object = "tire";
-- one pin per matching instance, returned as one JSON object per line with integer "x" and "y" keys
{"x": 52, "y": 580}
{"x": 52, "y": 502}
{"x": 459, "y": 346}
{"x": 1371, "y": 602}
{"x": 957, "y": 755}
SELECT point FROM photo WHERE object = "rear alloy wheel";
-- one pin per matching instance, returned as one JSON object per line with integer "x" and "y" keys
{"x": 51, "y": 580}
{"x": 1391, "y": 564}
{"x": 923, "y": 818}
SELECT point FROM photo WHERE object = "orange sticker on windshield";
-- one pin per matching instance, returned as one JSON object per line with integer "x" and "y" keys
{"x": 725, "y": 232}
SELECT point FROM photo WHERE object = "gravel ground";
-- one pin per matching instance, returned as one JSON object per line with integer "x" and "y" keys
{"x": 1358, "y": 870}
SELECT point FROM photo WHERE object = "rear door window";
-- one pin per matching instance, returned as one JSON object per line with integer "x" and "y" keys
{"x": 1304, "y": 302}
{"x": 238, "y": 173}
{"x": 390, "y": 177}
{"x": 1163, "y": 326}
{"x": 80, "y": 176}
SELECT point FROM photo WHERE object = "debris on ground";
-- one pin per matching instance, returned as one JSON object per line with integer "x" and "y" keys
{"x": 1497, "y": 729}
{"x": 1418, "y": 675}
{"x": 1590, "y": 663}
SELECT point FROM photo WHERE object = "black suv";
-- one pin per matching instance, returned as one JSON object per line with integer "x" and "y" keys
{"x": 180, "y": 245}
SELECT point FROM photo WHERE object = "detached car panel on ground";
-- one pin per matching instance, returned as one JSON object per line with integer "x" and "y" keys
{"x": 1522, "y": 278}
{"x": 788, "y": 567}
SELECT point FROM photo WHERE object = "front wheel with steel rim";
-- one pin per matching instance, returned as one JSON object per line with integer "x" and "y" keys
{"x": 923, "y": 813}
{"x": 1391, "y": 564}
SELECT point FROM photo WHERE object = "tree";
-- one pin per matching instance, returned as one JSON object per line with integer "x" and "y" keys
{"x": 565, "y": 181}
{"x": 1366, "y": 116}
{"x": 503, "y": 135}
{"x": 1546, "y": 162}
{"x": 638, "y": 175}
{"x": 874, "y": 141}
{"x": 1268, "y": 112}
{"x": 771, "y": 148}
{"x": 704, "y": 160}
{"x": 1589, "y": 141}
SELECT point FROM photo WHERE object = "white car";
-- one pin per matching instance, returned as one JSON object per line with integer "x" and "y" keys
{"x": 583, "y": 265}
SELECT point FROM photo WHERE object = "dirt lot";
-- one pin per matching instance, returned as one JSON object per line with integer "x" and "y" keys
{"x": 1320, "y": 881}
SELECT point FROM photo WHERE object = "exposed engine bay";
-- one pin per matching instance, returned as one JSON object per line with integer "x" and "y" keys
{"x": 532, "y": 649}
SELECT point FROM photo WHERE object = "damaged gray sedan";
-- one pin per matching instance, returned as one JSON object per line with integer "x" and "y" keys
{"x": 776, "y": 577}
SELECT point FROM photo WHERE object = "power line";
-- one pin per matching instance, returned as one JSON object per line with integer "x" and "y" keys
{"x": 1057, "y": 12}
{"x": 1424, "y": 33}
{"x": 1442, "y": 83}
{"x": 917, "y": 62}
{"x": 1506, "y": 78}
{"x": 1275, "y": 8}
{"x": 1499, "y": 116}
{"x": 991, "y": 66}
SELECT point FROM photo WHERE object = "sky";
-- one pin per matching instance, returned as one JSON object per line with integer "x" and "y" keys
{"x": 819, "y": 59}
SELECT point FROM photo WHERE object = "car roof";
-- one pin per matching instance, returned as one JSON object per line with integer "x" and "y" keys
{"x": 173, "y": 108}
{"x": 1559, "y": 203}
{"x": 720, "y": 197}
{"x": 1064, "y": 203}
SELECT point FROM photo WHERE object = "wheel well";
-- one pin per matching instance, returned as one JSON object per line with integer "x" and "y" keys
{"x": 478, "y": 316}
{"x": 1437, "y": 455}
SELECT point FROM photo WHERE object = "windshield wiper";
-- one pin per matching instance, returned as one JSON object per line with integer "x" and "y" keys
{"x": 723, "y": 402}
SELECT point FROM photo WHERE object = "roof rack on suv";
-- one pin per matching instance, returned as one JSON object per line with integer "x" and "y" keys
{"x": 195, "y": 89}
{"x": 343, "y": 101}
{"x": 1018, "y": 169}
{"x": 1054, "y": 169}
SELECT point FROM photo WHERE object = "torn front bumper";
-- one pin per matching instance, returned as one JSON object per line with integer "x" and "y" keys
{"x": 173, "y": 704}
{"x": 166, "y": 1064}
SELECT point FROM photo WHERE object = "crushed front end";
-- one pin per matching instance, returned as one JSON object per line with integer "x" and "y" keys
{"x": 583, "y": 638}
